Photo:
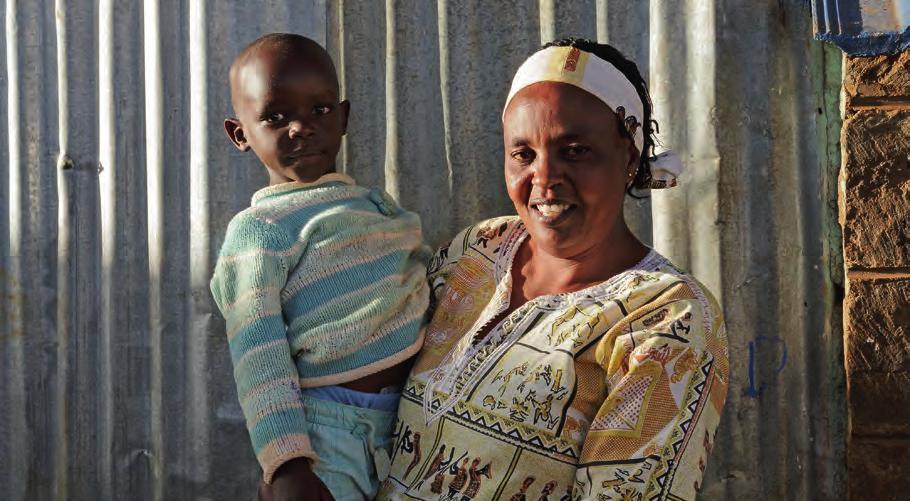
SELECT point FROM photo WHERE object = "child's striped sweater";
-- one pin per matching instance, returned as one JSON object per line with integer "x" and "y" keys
{"x": 320, "y": 283}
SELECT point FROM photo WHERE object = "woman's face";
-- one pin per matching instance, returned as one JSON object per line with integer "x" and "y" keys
{"x": 566, "y": 167}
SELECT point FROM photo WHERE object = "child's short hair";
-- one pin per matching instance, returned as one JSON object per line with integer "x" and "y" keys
{"x": 286, "y": 45}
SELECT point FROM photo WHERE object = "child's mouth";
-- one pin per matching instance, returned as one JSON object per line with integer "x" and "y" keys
{"x": 308, "y": 155}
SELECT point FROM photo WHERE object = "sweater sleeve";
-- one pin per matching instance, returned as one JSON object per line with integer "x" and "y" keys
{"x": 251, "y": 271}
{"x": 667, "y": 373}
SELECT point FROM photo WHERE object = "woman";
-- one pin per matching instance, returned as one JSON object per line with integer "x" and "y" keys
{"x": 562, "y": 348}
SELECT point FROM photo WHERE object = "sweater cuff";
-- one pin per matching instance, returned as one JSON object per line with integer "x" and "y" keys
{"x": 281, "y": 450}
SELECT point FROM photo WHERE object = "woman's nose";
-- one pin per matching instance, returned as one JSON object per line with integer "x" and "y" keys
{"x": 547, "y": 173}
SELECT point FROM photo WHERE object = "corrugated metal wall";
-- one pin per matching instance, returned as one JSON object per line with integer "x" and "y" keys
{"x": 117, "y": 184}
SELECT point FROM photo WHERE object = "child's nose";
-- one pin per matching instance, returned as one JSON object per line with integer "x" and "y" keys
{"x": 300, "y": 128}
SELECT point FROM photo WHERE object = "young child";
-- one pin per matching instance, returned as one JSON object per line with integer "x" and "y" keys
{"x": 321, "y": 283}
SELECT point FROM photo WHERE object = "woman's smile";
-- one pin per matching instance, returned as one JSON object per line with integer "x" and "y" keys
{"x": 551, "y": 212}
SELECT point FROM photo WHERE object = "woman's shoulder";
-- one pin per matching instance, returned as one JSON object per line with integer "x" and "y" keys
{"x": 659, "y": 281}
{"x": 482, "y": 239}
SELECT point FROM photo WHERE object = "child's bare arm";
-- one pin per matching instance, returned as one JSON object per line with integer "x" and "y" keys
{"x": 295, "y": 481}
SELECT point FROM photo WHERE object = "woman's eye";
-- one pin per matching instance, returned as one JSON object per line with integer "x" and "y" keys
{"x": 274, "y": 118}
{"x": 322, "y": 110}
{"x": 523, "y": 156}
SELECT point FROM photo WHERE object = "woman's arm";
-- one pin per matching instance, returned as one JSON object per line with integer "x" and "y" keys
{"x": 667, "y": 374}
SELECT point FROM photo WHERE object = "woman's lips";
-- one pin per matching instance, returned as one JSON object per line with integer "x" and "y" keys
{"x": 552, "y": 213}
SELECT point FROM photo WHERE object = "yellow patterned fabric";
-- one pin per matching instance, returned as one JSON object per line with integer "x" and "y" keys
{"x": 611, "y": 392}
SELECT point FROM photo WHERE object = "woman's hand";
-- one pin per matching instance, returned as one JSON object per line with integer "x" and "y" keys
{"x": 295, "y": 481}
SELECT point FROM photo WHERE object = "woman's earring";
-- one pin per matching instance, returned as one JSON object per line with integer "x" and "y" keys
{"x": 631, "y": 178}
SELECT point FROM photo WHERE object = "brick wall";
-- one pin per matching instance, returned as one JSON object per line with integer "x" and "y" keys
{"x": 874, "y": 204}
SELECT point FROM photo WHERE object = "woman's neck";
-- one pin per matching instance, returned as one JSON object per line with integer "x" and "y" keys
{"x": 536, "y": 272}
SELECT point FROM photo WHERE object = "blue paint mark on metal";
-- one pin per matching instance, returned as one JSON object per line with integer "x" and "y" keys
{"x": 863, "y": 27}
{"x": 770, "y": 342}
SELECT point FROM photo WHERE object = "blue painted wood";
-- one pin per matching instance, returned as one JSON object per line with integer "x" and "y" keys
{"x": 863, "y": 27}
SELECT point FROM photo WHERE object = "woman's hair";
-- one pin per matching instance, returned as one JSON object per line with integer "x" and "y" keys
{"x": 630, "y": 70}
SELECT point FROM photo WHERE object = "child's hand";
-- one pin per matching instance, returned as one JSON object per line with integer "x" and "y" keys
{"x": 295, "y": 481}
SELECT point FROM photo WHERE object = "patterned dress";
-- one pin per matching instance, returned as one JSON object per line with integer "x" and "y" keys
{"x": 610, "y": 392}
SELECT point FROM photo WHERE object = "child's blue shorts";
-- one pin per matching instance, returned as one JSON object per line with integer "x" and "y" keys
{"x": 351, "y": 432}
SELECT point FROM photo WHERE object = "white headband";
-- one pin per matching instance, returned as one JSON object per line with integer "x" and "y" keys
{"x": 603, "y": 80}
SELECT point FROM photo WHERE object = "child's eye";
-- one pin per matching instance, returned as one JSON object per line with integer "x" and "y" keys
{"x": 273, "y": 118}
{"x": 322, "y": 110}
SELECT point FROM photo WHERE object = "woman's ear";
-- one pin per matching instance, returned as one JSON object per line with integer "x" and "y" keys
{"x": 235, "y": 133}
{"x": 634, "y": 160}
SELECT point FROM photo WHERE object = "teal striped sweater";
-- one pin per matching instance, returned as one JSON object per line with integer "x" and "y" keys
{"x": 319, "y": 283}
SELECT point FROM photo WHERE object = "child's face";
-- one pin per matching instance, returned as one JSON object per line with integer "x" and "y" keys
{"x": 288, "y": 113}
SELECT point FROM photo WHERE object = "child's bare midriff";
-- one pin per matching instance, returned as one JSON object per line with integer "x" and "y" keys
{"x": 374, "y": 383}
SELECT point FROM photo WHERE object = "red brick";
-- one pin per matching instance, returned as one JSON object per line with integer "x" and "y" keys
{"x": 877, "y": 353}
{"x": 886, "y": 75}
{"x": 877, "y": 326}
{"x": 875, "y": 202}
{"x": 879, "y": 403}
{"x": 878, "y": 469}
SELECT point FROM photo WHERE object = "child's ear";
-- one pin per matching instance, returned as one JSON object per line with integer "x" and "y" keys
{"x": 235, "y": 133}
{"x": 345, "y": 113}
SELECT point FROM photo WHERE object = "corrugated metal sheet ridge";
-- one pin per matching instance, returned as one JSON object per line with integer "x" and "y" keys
{"x": 115, "y": 377}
